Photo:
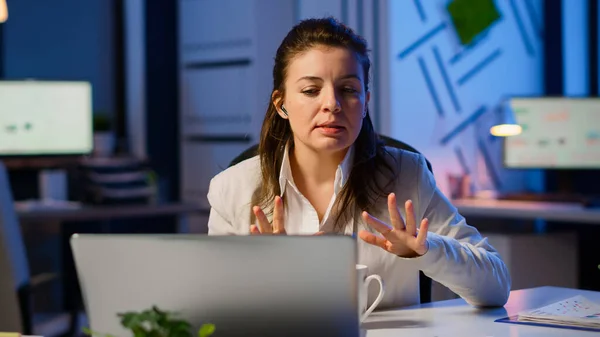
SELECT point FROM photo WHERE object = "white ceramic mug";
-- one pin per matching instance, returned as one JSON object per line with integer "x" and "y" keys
{"x": 363, "y": 289}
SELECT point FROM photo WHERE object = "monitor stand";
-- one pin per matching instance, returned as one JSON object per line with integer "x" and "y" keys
{"x": 52, "y": 193}
{"x": 580, "y": 183}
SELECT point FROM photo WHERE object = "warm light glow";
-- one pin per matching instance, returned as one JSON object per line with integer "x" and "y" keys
{"x": 505, "y": 130}
{"x": 3, "y": 11}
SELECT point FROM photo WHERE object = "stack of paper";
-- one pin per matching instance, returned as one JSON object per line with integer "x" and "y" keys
{"x": 576, "y": 311}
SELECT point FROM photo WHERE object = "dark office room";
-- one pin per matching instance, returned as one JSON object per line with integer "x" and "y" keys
{"x": 175, "y": 168}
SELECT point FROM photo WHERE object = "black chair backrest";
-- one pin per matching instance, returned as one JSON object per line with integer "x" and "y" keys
{"x": 425, "y": 283}
{"x": 391, "y": 142}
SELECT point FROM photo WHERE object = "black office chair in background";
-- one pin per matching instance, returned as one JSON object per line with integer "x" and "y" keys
{"x": 425, "y": 282}
{"x": 18, "y": 287}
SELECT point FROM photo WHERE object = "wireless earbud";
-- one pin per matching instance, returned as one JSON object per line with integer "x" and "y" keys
{"x": 284, "y": 110}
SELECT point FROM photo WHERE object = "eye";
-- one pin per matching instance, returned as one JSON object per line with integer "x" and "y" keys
{"x": 350, "y": 90}
{"x": 310, "y": 92}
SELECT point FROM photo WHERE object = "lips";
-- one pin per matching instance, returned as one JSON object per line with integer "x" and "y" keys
{"x": 330, "y": 126}
{"x": 330, "y": 129}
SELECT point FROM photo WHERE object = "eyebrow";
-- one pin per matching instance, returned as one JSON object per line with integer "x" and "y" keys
{"x": 318, "y": 79}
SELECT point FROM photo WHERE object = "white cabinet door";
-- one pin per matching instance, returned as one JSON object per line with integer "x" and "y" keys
{"x": 200, "y": 162}
{"x": 217, "y": 101}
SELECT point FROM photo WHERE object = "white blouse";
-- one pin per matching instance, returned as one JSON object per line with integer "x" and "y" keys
{"x": 458, "y": 257}
{"x": 300, "y": 216}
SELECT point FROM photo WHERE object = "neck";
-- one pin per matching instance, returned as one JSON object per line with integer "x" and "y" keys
{"x": 311, "y": 167}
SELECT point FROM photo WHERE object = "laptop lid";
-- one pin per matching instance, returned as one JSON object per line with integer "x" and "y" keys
{"x": 245, "y": 285}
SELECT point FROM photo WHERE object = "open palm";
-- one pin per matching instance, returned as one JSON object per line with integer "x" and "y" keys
{"x": 264, "y": 227}
{"x": 401, "y": 238}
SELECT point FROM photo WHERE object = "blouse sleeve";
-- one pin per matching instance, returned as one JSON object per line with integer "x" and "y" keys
{"x": 218, "y": 222}
{"x": 458, "y": 256}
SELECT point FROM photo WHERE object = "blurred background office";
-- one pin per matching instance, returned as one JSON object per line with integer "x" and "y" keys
{"x": 178, "y": 89}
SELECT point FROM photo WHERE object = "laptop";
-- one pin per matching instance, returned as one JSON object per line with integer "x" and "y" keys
{"x": 244, "y": 285}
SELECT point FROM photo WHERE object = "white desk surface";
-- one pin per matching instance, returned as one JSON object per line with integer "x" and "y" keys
{"x": 457, "y": 318}
{"x": 551, "y": 211}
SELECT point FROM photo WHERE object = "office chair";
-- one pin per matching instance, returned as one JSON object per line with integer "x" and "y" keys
{"x": 17, "y": 286}
{"x": 425, "y": 283}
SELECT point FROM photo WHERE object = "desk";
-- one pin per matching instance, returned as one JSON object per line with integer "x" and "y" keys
{"x": 107, "y": 213}
{"x": 59, "y": 218}
{"x": 529, "y": 210}
{"x": 457, "y": 318}
{"x": 566, "y": 217}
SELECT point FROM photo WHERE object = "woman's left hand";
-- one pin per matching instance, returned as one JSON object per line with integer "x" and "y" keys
{"x": 402, "y": 239}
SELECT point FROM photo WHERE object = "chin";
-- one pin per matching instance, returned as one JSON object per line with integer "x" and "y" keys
{"x": 333, "y": 145}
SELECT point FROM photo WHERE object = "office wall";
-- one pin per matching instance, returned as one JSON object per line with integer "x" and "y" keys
{"x": 575, "y": 47}
{"x": 443, "y": 95}
{"x": 62, "y": 40}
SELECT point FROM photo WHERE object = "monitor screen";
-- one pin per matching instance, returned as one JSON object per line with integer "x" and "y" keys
{"x": 558, "y": 133}
{"x": 45, "y": 118}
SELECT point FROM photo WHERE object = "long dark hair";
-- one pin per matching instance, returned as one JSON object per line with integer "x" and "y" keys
{"x": 362, "y": 189}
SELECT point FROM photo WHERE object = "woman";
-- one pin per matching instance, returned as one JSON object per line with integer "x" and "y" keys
{"x": 322, "y": 169}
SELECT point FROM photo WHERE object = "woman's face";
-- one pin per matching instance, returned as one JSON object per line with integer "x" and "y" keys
{"x": 325, "y": 99}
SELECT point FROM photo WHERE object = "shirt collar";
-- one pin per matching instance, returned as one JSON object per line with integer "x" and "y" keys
{"x": 341, "y": 175}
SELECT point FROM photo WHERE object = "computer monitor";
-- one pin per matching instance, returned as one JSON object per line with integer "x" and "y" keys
{"x": 558, "y": 133}
{"x": 45, "y": 118}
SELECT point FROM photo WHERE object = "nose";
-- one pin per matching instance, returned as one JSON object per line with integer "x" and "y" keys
{"x": 331, "y": 103}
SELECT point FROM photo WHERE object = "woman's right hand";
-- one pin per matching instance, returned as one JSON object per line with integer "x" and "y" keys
{"x": 264, "y": 227}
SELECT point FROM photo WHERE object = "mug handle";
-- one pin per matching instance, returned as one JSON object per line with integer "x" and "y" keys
{"x": 379, "y": 297}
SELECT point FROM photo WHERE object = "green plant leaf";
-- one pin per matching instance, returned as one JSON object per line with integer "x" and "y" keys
{"x": 156, "y": 333}
{"x": 206, "y": 330}
{"x": 155, "y": 322}
{"x": 131, "y": 320}
{"x": 90, "y": 332}
{"x": 179, "y": 325}
{"x": 139, "y": 331}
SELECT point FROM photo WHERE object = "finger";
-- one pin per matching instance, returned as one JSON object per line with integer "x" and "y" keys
{"x": 263, "y": 222}
{"x": 377, "y": 224}
{"x": 411, "y": 226}
{"x": 422, "y": 236}
{"x": 395, "y": 216}
{"x": 254, "y": 230}
{"x": 319, "y": 233}
{"x": 278, "y": 216}
{"x": 373, "y": 239}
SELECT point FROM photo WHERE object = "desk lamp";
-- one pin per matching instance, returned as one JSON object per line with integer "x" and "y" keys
{"x": 506, "y": 125}
{"x": 3, "y": 11}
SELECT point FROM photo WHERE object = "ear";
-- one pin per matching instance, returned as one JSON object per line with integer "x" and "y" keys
{"x": 277, "y": 101}
{"x": 367, "y": 99}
